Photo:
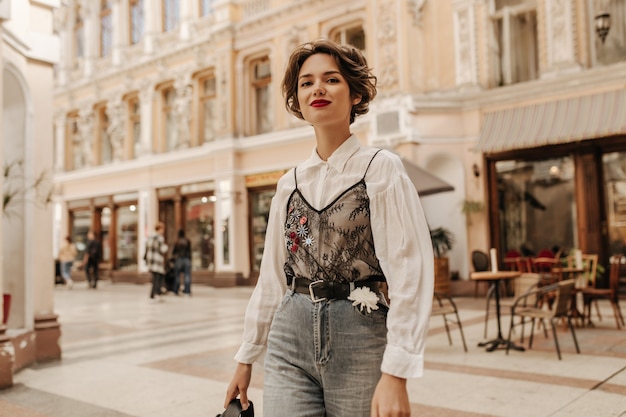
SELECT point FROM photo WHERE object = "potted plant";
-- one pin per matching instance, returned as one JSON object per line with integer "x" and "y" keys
{"x": 442, "y": 240}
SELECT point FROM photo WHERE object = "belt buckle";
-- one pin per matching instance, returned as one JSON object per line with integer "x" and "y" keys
{"x": 312, "y": 285}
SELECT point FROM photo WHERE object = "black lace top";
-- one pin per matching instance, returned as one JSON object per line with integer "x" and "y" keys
{"x": 334, "y": 243}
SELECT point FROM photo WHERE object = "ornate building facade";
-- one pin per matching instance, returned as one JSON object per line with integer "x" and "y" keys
{"x": 170, "y": 110}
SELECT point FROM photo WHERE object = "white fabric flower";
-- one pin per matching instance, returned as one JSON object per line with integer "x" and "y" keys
{"x": 364, "y": 297}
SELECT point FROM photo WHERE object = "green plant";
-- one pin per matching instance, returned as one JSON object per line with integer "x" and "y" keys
{"x": 442, "y": 240}
{"x": 16, "y": 186}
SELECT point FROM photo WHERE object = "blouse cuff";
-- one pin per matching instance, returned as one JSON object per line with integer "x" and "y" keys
{"x": 249, "y": 353}
{"x": 402, "y": 364}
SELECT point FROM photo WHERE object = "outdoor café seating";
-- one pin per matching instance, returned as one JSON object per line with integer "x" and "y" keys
{"x": 529, "y": 306}
{"x": 593, "y": 294}
{"x": 444, "y": 306}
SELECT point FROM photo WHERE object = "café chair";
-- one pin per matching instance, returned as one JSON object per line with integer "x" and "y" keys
{"x": 591, "y": 294}
{"x": 530, "y": 306}
{"x": 521, "y": 285}
{"x": 443, "y": 305}
{"x": 480, "y": 262}
{"x": 550, "y": 269}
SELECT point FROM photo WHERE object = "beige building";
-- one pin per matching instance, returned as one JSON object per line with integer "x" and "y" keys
{"x": 28, "y": 51}
{"x": 171, "y": 110}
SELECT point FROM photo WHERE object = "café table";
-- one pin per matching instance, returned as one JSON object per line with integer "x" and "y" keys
{"x": 495, "y": 277}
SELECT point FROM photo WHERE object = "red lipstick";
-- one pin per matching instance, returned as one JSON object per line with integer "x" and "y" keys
{"x": 319, "y": 103}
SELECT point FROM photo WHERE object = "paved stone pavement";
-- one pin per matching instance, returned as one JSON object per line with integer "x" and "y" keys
{"x": 126, "y": 357}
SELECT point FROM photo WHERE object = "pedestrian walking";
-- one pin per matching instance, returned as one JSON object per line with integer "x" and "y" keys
{"x": 156, "y": 249}
{"x": 182, "y": 263}
{"x": 67, "y": 255}
{"x": 341, "y": 223}
{"x": 92, "y": 258}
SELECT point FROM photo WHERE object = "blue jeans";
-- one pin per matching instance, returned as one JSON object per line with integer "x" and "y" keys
{"x": 323, "y": 359}
{"x": 182, "y": 265}
{"x": 66, "y": 270}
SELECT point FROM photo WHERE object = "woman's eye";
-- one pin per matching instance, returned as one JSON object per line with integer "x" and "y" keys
{"x": 333, "y": 80}
{"x": 305, "y": 84}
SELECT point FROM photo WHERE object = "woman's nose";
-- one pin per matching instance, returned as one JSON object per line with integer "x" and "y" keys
{"x": 318, "y": 90}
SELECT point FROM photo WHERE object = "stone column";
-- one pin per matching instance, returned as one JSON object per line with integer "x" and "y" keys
{"x": 186, "y": 18}
{"x": 150, "y": 28}
{"x": 90, "y": 10}
{"x": 182, "y": 110}
{"x": 60, "y": 121}
{"x": 146, "y": 99}
{"x": 86, "y": 133}
{"x": 119, "y": 29}
{"x": 115, "y": 130}
{"x": 466, "y": 51}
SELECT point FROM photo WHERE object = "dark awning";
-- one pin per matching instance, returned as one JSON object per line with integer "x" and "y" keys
{"x": 425, "y": 183}
{"x": 553, "y": 122}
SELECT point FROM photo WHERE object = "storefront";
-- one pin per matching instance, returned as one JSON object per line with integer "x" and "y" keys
{"x": 558, "y": 180}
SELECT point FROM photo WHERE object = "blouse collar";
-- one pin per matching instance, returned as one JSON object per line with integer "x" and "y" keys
{"x": 338, "y": 159}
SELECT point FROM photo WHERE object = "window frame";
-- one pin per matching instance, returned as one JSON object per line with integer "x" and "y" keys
{"x": 169, "y": 22}
{"x": 78, "y": 40}
{"x": 132, "y": 117}
{"x": 105, "y": 14}
{"x": 255, "y": 85}
{"x": 72, "y": 137}
{"x": 133, "y": 24}
{"x": 340, "y": 34}
{"x": 201, "y": 100}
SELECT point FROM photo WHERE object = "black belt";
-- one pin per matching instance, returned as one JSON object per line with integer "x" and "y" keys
{"x": 329, "y": 290}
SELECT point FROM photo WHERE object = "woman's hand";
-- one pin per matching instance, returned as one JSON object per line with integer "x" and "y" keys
{"x": 239, "y": 385}
{"x": 391, "y": 398}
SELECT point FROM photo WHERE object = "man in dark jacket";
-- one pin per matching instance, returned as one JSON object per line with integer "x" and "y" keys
{"x": 91, "y": 260}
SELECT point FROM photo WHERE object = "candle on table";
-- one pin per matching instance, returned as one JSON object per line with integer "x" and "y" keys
{"x": 494, "y": 259}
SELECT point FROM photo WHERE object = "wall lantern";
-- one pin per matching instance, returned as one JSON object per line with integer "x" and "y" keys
{"x": 603, "y": 24}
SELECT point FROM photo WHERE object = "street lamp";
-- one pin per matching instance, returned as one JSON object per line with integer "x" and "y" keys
{"x": 603, "y": 24}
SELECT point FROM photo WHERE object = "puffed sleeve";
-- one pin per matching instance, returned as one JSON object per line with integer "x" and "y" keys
{"x": 403, "y": 246}
{"x": 271, "y": 285}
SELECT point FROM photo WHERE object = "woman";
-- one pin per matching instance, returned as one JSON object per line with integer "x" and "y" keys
{"x": 67, "y": 254}
{"x": 342, "y": 222}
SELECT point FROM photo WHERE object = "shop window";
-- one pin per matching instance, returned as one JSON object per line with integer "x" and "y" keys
{"x": 261, "y": 78}
{"x": 79, "y": 34}
{"x": 133, "y": 143}
{"x": 613, "y": 49}
{"x": 206, "y": 7}
{"x": 536, "y": 205}
{"x": 260, "y": 202}
{"x": 207, "y": 102}
{"x": 171, "y": 14}
{"x": 350, "y": 35}
{"x": 614, "y": 167}
{"x": 126, "y": 231}
{"x": 136, "y": 21}
{"x": 514, "y": 45}
{"x": 105, "y": 236}
{"x": 200, "y": 212}
{"x": 106, "y": 28}
{"x": 104, "y": 155}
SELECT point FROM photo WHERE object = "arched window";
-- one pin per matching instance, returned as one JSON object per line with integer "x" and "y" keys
{"x": 350, "y": 35}
{"x": 261, "y": 78}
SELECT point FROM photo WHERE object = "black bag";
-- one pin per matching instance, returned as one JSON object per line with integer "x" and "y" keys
{"x": 234, "y": 410}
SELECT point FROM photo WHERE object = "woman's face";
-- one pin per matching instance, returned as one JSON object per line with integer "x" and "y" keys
{"x": 323, "y": 93}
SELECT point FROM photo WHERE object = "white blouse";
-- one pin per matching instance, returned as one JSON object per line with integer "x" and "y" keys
{"x": 401, "y": 238}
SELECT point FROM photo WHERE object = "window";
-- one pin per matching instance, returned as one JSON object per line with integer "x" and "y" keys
{"x": 136, "y": 21}
{"x": 133, "y": 144}
{"x": 351, "y": 35}
{"x": 104, "y": 150}
{"x": 207, "y": 104}
{"x": 79, "y": 33}
{"x": 514, "y": 42}
{"x": 167, "y": 123}
{"x": 126, "y": 232}
{"x": 261, "y": 79}
{"x": 171, "y": 14}
{"x": 206, "y": 7}
{"x": 106, "y": 28}
{"x": 200, "y": 215}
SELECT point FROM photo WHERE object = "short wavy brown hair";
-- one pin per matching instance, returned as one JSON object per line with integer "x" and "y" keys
{"x": 352, "y": 66}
